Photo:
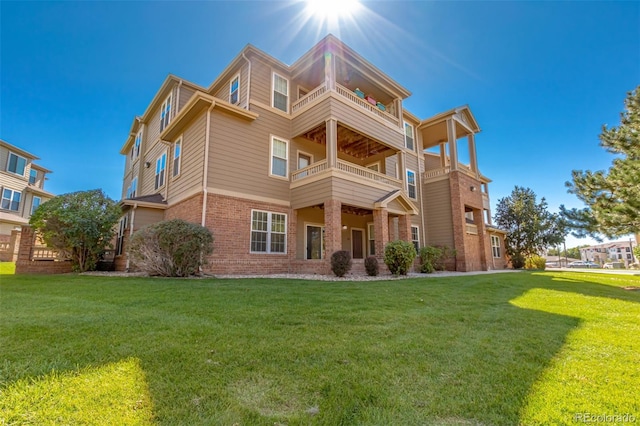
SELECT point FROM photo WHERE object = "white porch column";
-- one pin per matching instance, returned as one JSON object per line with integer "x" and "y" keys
{"x": 453, "y": 149}
{"x": 332, "y": 143}
{"x": 443, "y": 154}
{"x": 329, "y": 71}
{"x": 473, "y": 159}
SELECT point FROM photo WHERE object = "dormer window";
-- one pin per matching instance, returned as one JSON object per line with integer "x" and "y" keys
{"x": 165, "y": 113}
{"x": 16, "y": 164}
{"x": 280, "y": 93}
{"x": 234, "y": 90}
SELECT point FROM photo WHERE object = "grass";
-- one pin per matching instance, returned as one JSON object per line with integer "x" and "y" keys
{"x": 503, "y": 349}
{"x": 7, "y": 268}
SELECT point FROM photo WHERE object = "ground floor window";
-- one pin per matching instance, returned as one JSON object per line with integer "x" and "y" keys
{"x": 315, "y": 242}
{"x": 415, "y": 238}
{"x": 495, "y": 246}
{"x": 371, "y": 240}
{"x": 268, "y": 232}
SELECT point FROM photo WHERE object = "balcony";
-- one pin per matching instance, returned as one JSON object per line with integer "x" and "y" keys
{"x": 351, "y": 97}
{"x": 348, "y": 171}
{"x": 435, "y": 174}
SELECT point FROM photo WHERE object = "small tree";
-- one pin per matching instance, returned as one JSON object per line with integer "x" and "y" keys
{"x": 80, "y": 225}
{"x": 171, "y": 248}
{"x": 429, "y": 257}
{"x": 399, "y": 256}
{"x": 340, "y": 262}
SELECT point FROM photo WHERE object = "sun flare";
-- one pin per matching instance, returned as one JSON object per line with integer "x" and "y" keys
{"x": 332, "y": 10}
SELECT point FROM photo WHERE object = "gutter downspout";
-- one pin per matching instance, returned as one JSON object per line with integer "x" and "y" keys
{"x": 131, "y": 223}
{"x": 205, "y": 170}
{"x": 248, "y": 80}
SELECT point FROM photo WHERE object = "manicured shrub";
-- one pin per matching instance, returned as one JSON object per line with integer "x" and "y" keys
{"x": 398, "y": 256}
{"x": 517, "y": 261}
{"x": 371, "y": 266}
{"x": 429, "y": 257}
{"x": 171, "y": 248}
{"x": 535, "y": 262}
{"x": 341, "y": 262}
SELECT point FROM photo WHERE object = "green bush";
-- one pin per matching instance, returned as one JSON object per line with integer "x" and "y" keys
{"x": 171, "y": 248}
{"x": 535, "y": 262}
{"x": 429, "y": 258}
{"x": 398, "y": 256}
{"x": 517, "y": 261}
{"x": 371, "y": 266}
{"x": 341, "y": 262}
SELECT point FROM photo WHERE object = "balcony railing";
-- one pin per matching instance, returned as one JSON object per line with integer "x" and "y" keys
{"x": 349, "y": 168}
{"x": 442, "y": 171}
{"x": 343, "y": 91}
{"x": 310, "y": 97}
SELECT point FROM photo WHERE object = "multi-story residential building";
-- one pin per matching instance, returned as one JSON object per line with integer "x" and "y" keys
{"x": 286, "y": 164}
{"x": 620, "y": 251}
{"x": 22, "y": 186}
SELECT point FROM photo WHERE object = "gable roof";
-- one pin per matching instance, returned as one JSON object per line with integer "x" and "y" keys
{"x": 401, "y": 199}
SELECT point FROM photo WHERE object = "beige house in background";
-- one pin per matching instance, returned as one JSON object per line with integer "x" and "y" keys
{"x": 286, "y": 164}
{"x": 21, "y": 192}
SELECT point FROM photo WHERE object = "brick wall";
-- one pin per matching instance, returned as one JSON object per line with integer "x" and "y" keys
{"x": 24, "y": 264}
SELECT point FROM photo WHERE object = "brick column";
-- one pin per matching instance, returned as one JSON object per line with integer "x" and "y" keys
{"x": 457, "y": 217}
{"x": 27, "y": 240}
{"x": 484, "y": 240}
{"x": 332, "y": 227}
{"x": 404, "y": 227}
{"x": 381, "y": 230}
{"x": 14, "y": 245}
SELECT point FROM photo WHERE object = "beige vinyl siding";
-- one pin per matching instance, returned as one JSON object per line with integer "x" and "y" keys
{"x": 391, "y": 166}
{"x": 239, "y": 156}
{"x": 311, "y": 194}
{"x": 431, "y": 162}
{"x": 438, "y": 214}
{"x": 223, "y": 90}
{"x": 191, "y": 161}
{"x": 12, "y": 181}
{"x": 185, "y": 95}
{"x": 146, "y": 216}
{"x": 146, "y": 184}
{"x": 261, "y": 76}
{"x": 4, "y": 158}
{"x": 311, "y": 118}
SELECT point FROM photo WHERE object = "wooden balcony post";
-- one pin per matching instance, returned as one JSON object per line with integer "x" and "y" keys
{"x": 453, "y": 149}
{"x": 332, "y": 143}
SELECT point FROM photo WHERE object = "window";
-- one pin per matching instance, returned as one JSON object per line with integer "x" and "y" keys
{"x": 495, "y": 246}
{"x": 280, "y": 93}
{"x": 35, "y": 203}
{"x": 415, "y": 238}
{"x": 268, "y": 232}
{"x": 33, "y": 176}
{"x": 135, "y": 149}
{"x": 411, "y": 184}
{"x": 133, "y": 188}
{"x": 234, "y": 90}
{"x": 11, "y": 199}
{"x": 177, "y": 151}
{"x": 408, "y": 136}
{"x": 304, "y": 160}
{"x": 374, "y": 166}
{"x": 161, "y": 165}
{"x": 371, "y": 239}
{"x": 16, "y": 164}
{"x": 120, "y": 237}
{"x": 165, "y": 113}
{"x": 279, "y": 157}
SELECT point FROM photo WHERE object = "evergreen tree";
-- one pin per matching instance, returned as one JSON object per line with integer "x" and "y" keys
{"x": 612, "y": 197}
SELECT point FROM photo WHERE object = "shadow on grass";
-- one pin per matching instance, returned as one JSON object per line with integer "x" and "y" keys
{"x": 420, "y": 351}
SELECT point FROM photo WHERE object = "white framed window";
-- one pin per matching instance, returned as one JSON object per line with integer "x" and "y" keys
{"x": 33, "y": 176}
{"x": 495, "y": 246}
{"x": 234, "y": 90}
{"x": 408, "y": 136}
{"x": 177, "y": 154}
{"x": 132, "y": 190}
{"x": 304, "y": 160}
{"x": 10, "y": 200}
{"x": 415, "y": 238}
{"x": 268, "y": 232}
{"x": 279, "y": 157}
{"x": 374, "y": 166}
{"x": 280, "y": 96}
{"x": 165, "y": 113}
{"x": 411, "y": 184}
{"x": 135, "y": 149}
{"x": 120, "y": 237}
{"x": 16, "y": 164}
{"x": 161, "y": 165}
{"x": 371, "y": 239}
{"x": 35, "y": 203}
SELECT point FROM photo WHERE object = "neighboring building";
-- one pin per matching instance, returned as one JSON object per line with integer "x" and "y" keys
{"x": 21, "y": 186}
{"x": 620, "y": 251}
{"x": 288, "y": 164}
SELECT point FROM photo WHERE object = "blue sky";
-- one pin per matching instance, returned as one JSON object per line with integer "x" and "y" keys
{"x": 540, "y": 77}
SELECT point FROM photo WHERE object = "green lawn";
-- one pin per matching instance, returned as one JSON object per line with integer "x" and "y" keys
{"x": 501, "y": 349}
